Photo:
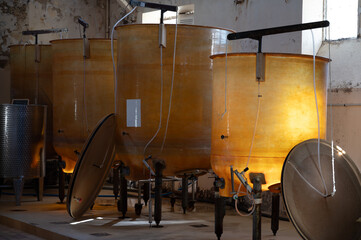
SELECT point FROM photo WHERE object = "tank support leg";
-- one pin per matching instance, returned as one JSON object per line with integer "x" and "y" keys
{"x": 61, "y": 180}
{"x": 138, "y": 206}
{"x": 184, "y": 193}
{"x": 219, "y": 213}
{"x": 1, "y": 183}
{"x": 123, "y": 199}
{"x": 146, "y": 193}
{"x": 159, "y": 166}
{"x": 18, "y": 184}
{"x": 39, "y": 188}
{"x": 275, "y": 212}
{"x": 257, "y": 191}
{"x": 116, "y": 182}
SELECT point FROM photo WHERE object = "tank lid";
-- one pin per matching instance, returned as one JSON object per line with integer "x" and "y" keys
{"x": 314, "y": 216}
{"x": 221, "y": 55}
{"x": 179, "y": 25}
{"x": 92, "y": 167}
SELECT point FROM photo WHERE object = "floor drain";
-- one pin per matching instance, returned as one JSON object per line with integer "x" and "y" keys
{"x": 58, "y": 222}
{"x": 199, "y": 225}
{"x": 18, "y": 210}
{"x": 100, "y": 234}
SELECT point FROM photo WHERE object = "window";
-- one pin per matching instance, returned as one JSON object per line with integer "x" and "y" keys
{"x": 186, "y": 16}
{"x": 343, "y": 17}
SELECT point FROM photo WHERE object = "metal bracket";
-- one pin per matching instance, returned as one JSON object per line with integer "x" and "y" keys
{"x": 241, "y": 177}
{"x": 260, "y": 67}
{"x": 162, "y": 36}
{"x": 86, "y": 48}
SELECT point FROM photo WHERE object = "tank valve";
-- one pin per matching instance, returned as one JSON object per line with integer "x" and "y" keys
{"x": 223, "y": 137}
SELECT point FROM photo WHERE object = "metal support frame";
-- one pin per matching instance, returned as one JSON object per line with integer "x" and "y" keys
{"x": 159, "y": 166}
{"x": 123, "y": 199}
{"x": 61, "y": 166}
{"x": 257, "y": 179}
{"x": 219, "y": 210}
{"x": 184, "y": 193}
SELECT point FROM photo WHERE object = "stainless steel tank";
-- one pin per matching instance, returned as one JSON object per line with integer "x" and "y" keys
{"x": 22, "y": 143}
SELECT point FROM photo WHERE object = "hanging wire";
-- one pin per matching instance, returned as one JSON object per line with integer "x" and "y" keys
{"x": 331, "y": 117}
{"x": 326, "y": 194}
{"x": 85, "y": 113}
{"x": 172, "y": 84}
{"x": 249, "y": 196}
{"x": 225, "y": 82}
{"x": 161, "y": 103}
{"x": 256, "y": 123}
{"x": 112, "y": 49}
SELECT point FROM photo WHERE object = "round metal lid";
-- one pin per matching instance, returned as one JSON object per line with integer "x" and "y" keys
{"x": 315, "y": 216}
{"x": 92, "y": 167}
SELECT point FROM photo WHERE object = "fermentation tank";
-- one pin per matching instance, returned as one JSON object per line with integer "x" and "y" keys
{"x": 187, "y": 142}
{"x": 83, "y": 93}
{"x": 31, "y": 78}
{"x": 285, "y": 102}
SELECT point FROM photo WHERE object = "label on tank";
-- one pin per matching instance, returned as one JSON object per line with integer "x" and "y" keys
{"x": 133, "y": 113}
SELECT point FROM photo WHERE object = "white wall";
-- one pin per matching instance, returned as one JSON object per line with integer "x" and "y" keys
{"x": 312, "y": 11}
{"x": 249, "y": 15}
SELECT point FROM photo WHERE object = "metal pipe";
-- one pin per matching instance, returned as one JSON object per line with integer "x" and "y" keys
{"x": 258, "y": 34}
{"x": 344, "y": 105}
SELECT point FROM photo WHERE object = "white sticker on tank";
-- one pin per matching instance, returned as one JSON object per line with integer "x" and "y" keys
{"x": 133, "y": 113}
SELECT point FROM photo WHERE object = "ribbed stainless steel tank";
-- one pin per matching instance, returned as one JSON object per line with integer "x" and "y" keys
{"x": 22, "y": 141}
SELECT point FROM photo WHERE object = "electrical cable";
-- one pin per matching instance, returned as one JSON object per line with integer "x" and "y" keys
{"x": 112, "y": 49}
{"x": 331, "y": 118}
{"x": 225, "y": 82}
{"x": 161, "y": 103}
{"x": 85, "y": 114}
{"x": 318, "y": 140}
{"x": 250, "y": 197}
{"x": 172, "y": 84}
{"x": 255, "y": 124}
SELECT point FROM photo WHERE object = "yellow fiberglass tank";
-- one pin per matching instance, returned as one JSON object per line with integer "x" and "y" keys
{"x": 83, "y": 93}
{"x": 31, "y": 78}
{"x": 187, "y": 142}
{"x": 285, "y": 102}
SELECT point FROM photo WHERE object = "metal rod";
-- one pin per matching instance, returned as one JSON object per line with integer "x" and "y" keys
{"x": 162, "y": 7}
{"x": 258, "y": 34}
{"x": 45, "y": 31}
{"x": 344, "y": 105}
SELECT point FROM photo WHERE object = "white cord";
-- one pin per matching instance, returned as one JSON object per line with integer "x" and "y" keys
{"x": 171, "y": 89}
{"x": 256, "y": 122}
{"x": 250, "y": 197}
{"x": 84, "y": 102}
{"x": 318, "y": 140}
{"x": 161, "y": 103}
{"x": 331, "y": 118}
{"x": 112, "y": 48}
{"x": 318, "y": 114}
{"x": 225, "y": 82}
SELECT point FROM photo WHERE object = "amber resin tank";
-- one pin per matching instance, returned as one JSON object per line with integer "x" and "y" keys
{"x": 287, "y": 112}
{"x": 83, "y": 93}
{"x": 188, "y": 139}
{"x": 31, "y": 78}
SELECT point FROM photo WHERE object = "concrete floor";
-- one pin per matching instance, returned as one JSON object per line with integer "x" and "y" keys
{"x": 48, "y": 219}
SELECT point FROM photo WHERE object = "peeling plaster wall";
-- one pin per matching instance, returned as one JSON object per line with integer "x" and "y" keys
{"x": 345, "y": 89}
{"x": 20, "y": 15}
{"x": 248, "y": 15}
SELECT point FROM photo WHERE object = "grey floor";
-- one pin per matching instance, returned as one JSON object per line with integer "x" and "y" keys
{"x": 48, "y": 219}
